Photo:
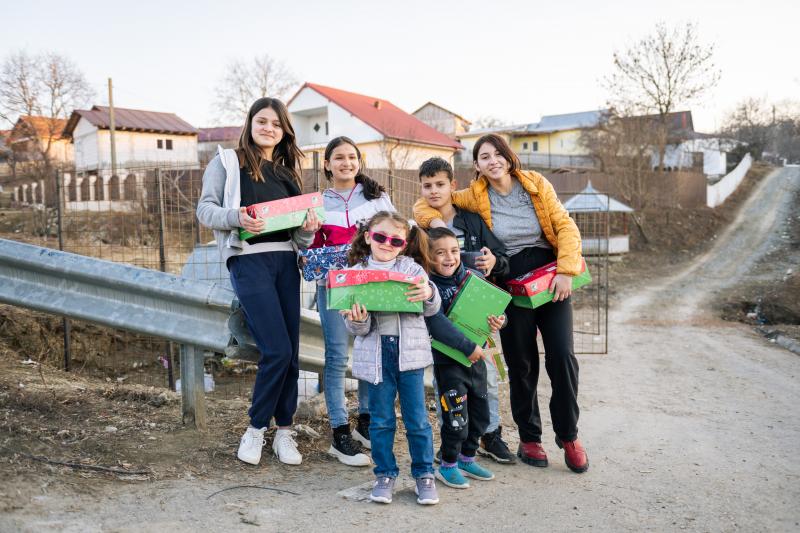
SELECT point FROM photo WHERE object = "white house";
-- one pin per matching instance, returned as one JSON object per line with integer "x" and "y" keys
{"x": 142, "y": 138}
{"x": 387, "y": 136}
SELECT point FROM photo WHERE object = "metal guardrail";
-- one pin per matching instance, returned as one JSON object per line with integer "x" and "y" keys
{"x": 192, "y": 312}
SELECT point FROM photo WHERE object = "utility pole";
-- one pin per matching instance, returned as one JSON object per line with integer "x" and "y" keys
{"x": 111, "y": 128}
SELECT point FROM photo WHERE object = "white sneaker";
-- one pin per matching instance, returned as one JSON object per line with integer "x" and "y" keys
{"x": 285, "y": 447}
{"x": 250, "y": 445}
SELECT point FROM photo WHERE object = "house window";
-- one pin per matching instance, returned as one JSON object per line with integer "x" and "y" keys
{"x": 169, "y": 144}
{"x": 159, "y": 144}
{"x": 535, "y": 146}
{"x": 326, "y": 127}
{"x": 525, "y": 146}
{"x": 316, "y": 127}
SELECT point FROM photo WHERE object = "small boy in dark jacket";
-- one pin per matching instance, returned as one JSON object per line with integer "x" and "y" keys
{"x": 480, "y": 250}
{"x": 462, "y": 390}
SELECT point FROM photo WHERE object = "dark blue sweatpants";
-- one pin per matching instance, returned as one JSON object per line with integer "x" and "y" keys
{"x": 268, "y": 287}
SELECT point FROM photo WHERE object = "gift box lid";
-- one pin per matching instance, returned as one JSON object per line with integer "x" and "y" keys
{"x": 285, "y": 205}
{"x": 536, "y": 281}
{"x": 348, "y": 278}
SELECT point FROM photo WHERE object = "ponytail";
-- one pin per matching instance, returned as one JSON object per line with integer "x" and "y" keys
{"x": 372, "y": 189}
{"x": 417, "y": 248}
{"x": 359, "y": 249}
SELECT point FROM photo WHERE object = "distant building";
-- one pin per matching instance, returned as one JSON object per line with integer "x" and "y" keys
{"x": 142, "y": 138}
{"x": 387, "y": 136}
{"x": 443, "y": 120}
{"x": 33, "y": 137}
{"x": 552, "y": 142}
{"x": 209, "y": 138}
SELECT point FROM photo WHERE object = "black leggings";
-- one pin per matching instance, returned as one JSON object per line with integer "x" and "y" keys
{"x": 554, "y": 322}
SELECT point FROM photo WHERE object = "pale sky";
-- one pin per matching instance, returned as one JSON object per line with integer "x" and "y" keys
{"x": 516, "y": 60}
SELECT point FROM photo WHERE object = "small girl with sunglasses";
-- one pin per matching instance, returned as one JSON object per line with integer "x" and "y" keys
{"x": 391, "y": 351}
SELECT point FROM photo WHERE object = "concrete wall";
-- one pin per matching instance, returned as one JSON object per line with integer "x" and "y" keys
{"x": 717, "y": 193}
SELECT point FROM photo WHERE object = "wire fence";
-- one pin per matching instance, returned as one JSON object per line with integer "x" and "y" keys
{"x": 146, "y": 218}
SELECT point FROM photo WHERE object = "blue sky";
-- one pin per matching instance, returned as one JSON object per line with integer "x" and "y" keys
{"x": 514, "y": 60}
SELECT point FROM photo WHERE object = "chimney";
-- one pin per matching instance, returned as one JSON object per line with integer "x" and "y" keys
{"x": 377, "y": 104}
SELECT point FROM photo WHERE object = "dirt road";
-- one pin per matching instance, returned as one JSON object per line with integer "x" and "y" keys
{"x": 690, "y": 423}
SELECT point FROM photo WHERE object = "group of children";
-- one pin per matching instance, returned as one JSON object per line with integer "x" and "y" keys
{"x": 391, "y": 350}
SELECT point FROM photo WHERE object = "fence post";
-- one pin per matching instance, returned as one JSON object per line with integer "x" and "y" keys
{"x": 316, "y": 171}
{"x": 65, "y": 321}
{"x": 162, "y": 265}
{"x": 193, "y": 398}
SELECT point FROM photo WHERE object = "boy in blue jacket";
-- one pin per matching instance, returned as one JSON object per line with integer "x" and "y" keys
{"x": 462, "y": 390}
{"x": 483, "y": 251}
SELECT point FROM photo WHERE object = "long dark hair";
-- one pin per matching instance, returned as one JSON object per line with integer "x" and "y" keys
{"x": 372, "y": 189}
{"x": 286, "y": 156}
{"x": 416, "y": 240}
{"x": 501, "y": 146}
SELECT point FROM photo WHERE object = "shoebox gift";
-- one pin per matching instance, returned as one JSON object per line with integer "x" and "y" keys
{"x": 475, "y": 301}
{"x": 377, "y": 290}
{"x": 531, "y": 290}
{"x": 284, "y": 214}
{"x": 320, "y": 260}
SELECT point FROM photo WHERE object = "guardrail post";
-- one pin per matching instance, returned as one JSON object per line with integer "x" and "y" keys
{"x": 193, "y": 397}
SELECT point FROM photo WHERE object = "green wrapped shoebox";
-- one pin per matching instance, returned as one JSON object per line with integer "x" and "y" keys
{"x": 284, "y": 214}
{"x": 531, "y": 290}
{"x": 377, "y": 290}
{"x": 475, "y": 301}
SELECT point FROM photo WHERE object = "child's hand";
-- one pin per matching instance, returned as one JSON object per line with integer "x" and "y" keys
{"x": 476, "y": 355}
{"x": 248, "y": 223}
{"x": 496, "y": 322}
{"x": 358, "y": 313}
{"x": 561, "y": 286}
{"x": 311, "y": 223}
{"x": 486, "y": 261}
{"x": 421, "y": 291}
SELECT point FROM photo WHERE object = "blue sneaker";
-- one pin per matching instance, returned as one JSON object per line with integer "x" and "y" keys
{"x": 452, "y": 477}
{"x": 474, "y": 470}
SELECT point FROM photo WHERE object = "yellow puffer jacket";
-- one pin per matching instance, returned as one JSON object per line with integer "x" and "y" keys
{"x": 557, "y": 226}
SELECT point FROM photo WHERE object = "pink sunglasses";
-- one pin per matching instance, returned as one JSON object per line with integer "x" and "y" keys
{"x": 381, "y": 238}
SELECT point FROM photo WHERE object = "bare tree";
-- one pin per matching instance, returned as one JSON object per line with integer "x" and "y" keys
{"x": 46, "y": 86}
{"x": 487, "y": 121}
{"x": 246, "y": 81}
{"x": 663, "y": 70}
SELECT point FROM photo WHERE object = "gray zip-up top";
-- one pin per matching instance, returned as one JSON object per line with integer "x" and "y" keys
{"x": 415, "y": 342}
{"x": 218, "y": 207}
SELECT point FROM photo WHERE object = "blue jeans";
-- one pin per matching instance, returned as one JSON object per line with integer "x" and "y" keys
{"x": 492, "y": 397}
{"x": 336, "y": 343}
{"x": 410, "y": 386}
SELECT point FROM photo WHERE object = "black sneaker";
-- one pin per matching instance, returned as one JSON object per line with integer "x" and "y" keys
{"x": 493, "y": 445}
{"x": 345, "y": 449}
{"x": 361, "y": 431}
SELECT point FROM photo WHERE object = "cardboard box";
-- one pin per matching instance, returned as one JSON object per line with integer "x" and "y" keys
{"x": 284, "y": 214}
{"x": 531, "y": 290}
{"x": 377, "y": 290}
{"x": 320, "y": 260}
{"x": 475, "y": 301}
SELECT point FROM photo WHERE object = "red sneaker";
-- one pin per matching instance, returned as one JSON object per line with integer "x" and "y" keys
{"x": 574, "y": 455}
{"x": 532, "y": 453}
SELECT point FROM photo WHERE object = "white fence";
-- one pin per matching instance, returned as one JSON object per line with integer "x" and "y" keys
{"x": 717, "y": 193}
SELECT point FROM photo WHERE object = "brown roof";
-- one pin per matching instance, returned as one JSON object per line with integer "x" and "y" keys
{"x": 223, "y": 133}
{"x": 131, "y": 120}
{"x": 42, "y": 127}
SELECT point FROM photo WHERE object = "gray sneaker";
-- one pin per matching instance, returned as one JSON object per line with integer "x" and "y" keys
{"x": 382, "y": 489}
{"x": 426, "y": 490}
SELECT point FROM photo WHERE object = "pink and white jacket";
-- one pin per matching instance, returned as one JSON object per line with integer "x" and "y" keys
{"x": 344, "y": 212}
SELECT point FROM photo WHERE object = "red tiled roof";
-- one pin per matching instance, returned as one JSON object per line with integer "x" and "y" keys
{"x": 224, "y": 133}
{"x": 384, "y": 116}
{"x": 131, "y": 120}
